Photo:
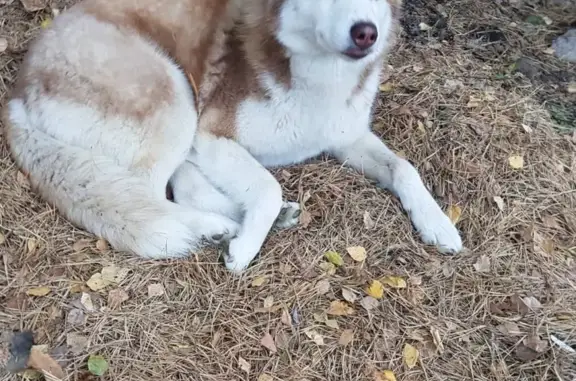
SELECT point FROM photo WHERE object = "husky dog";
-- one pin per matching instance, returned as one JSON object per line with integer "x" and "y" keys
{"x": 118, "y": 98}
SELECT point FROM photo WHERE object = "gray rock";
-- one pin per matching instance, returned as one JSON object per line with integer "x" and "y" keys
{"x": 565, "y": 46}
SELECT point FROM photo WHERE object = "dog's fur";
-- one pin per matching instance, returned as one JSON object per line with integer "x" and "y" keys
{"x": 117, "y": 98}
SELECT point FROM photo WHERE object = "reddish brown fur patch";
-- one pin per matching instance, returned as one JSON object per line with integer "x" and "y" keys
{"x": 249, "y": 49}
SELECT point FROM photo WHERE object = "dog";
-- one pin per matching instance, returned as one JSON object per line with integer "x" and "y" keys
{"x": 118, "y": 98}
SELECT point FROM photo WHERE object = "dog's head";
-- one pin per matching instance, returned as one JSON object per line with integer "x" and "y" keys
{"x": 352, "y": 29}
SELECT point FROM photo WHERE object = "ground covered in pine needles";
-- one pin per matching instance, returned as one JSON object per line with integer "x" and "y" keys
{"x": 475, "y": 98}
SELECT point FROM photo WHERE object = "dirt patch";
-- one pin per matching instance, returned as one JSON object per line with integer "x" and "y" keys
{"x": 456, "y": 106}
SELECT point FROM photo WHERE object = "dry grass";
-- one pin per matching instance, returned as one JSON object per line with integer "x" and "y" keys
{"x": 208, "y": 319}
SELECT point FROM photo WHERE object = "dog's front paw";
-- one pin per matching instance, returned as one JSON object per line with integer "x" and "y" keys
{"x": 289, "y": 215}
{"x": 239, "y": 256}
{"x": 435, "y": 228}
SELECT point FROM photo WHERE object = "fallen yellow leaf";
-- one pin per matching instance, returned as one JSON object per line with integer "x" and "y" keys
{"x": 454, "y": 213}
{"x": 328, "y": 268}
{"x": 113, "y": 274}
{"x": 334, "y": 258}
{"x": 32, "y": 245}
{"x": 385, "y": 87}
{"x": 97, "y": 283}
{"x": 347, "y": 337}
{"x": 394, "y": 281}
{"x": 516, "y": 161}
{"x": 340, "y": 308}
{"x": 46, "y": 23}
{"x": 358, "y": 253}
{"x": 410, "y": 355}
{"x": 265, "y": 377}
{"x": 258, "y": 281}
{"x": 387, "y": 375}
{"x": 375, "y": 290}
{"x": 38, "y": 291}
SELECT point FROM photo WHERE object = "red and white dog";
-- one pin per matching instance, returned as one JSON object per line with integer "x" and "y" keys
{"x": 118, "y": 98}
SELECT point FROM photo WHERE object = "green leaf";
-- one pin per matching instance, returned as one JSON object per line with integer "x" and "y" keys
{"x": 97, "y": 365}
{"x": 535, "y": 20}
{"x": 334, "y": 258}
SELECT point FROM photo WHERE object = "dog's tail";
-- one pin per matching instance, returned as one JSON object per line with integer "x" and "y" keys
{"x": 98, "y": 195}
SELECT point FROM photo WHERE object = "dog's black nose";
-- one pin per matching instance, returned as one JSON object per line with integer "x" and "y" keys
{"x": 364, "y": 34}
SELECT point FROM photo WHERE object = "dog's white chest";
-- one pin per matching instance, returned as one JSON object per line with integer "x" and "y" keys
{"x": 302, "y": 122}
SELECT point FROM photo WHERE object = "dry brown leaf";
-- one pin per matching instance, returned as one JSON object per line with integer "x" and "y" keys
{"x": 510, "y": 329}
{"x": 542, "y": 245}
{"x": 38, "y": 291}
{"x": 113, "y": 274}
{"x": 375, "y": 289}
{"x": 33, "y": 5}
{"x": 155, "y": 290}
{"x": 86, "y": 301}
{"x": 347, "y": 337}
{"x": 23, "y": 180}
{"x": 394, "y": 281}
{"x": 369, "y": 303}
{"x": 32, "y": 245}
{"x": 369, "y": 223}
{"x": 454, "y": 212}
{"x": 499, "y": 203}
{"x": 340, "y": 308}
{"x": 75, "y": 317}
{"x": 526, "y": 354}
{"x": 97, "y": 283}
{"x": 76, "y": 343}
{"x": 349, "y": 295}
{"x": 244, "y": 365}
{"x": 332, "y": 323}
{"x": 323, "y": 287}
{"x": 102, "y": 245}
{"x": 269, "y": 301}
{"x": 516, "y": 162}
{"x": 536, "y": 344}
{"x": 268, "y": 343}
{"x": 259, "y": 281}
{"x": 305, "y": 218}
{"x": 410, "y": 355}
{"x": 286, "y": 318}
{"x": 314, "y": 336}
{"x": 44, "y": 363}
{"x": 358, "y": 253}
{"x": 81, "y": 245}
{"x": 328, "y": 268}
{"x": 116, "y": 298}
{"x": 3, "y": 45}
{"x": 531, "y": 302}
{"x": 483, "y": 264}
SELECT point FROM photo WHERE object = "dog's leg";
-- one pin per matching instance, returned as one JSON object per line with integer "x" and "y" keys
{"x": 192, "y": 189}
{"x": 370, "y": 156}
{"x": 236, "y": 173}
